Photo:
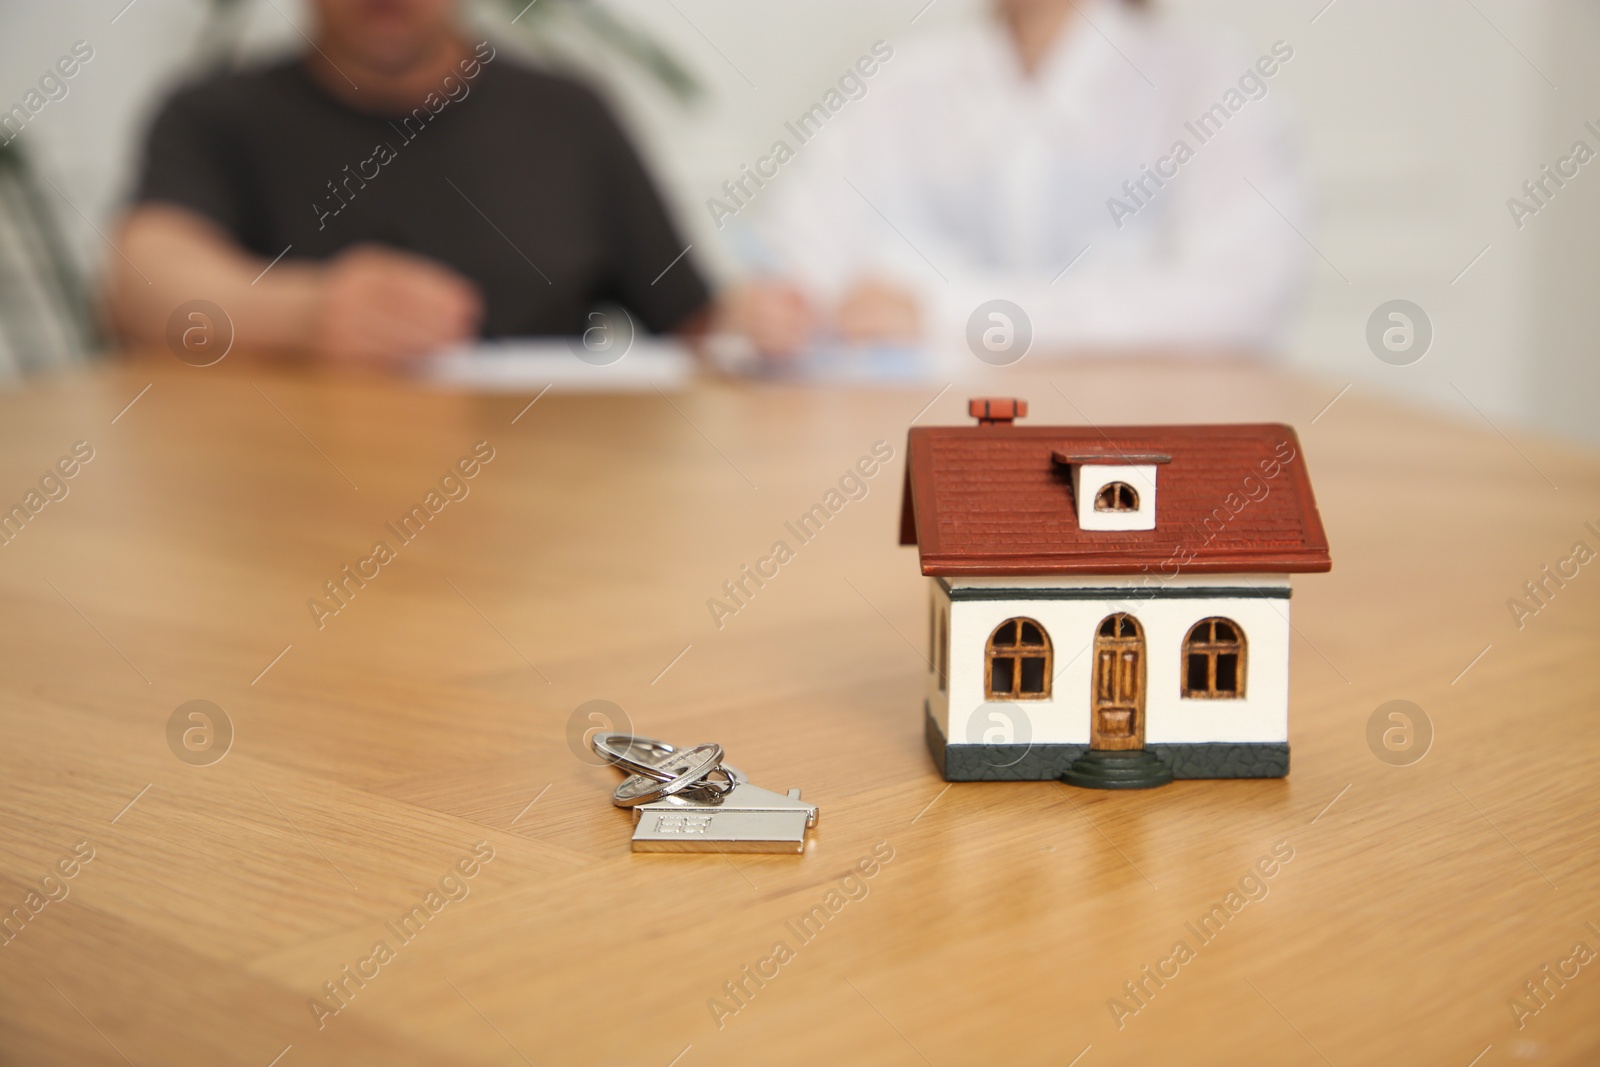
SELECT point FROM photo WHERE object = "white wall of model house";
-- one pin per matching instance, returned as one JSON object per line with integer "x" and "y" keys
{"x": 1261, "y": 715}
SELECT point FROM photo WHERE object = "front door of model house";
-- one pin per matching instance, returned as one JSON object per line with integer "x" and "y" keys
{"x": 1117, "y": 718}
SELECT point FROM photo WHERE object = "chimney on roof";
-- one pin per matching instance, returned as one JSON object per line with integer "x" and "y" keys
{"x": 997, "y": 411}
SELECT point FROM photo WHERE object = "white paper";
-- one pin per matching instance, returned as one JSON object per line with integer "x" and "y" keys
{"x": 525, "y": 364}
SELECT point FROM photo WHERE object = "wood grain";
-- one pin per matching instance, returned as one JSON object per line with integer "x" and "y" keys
{"x": 431, "y": 713}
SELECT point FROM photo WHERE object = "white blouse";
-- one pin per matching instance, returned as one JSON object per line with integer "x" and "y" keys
{"x": 960, "y": 178}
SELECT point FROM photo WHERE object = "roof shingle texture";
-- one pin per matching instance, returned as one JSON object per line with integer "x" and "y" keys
{"x": 991, "y": 500}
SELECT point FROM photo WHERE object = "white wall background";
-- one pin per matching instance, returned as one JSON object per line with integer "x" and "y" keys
{"x": 1420, "y": 118}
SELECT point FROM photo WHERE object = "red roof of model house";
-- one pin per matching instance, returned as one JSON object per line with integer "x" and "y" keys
{"x": 997, "y": 499}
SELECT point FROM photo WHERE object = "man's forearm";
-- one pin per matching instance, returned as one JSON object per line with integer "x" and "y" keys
{"x": 171, "y": 256}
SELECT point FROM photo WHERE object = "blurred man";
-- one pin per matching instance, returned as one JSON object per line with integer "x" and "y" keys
{"x": 1037, "y": 159}
{"x": 420, "y": 190}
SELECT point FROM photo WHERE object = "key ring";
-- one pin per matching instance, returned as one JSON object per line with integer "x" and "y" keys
{"x": 635, "y": 789}
{"x": 688, "y": 768}
{"x": 621, "y": 750}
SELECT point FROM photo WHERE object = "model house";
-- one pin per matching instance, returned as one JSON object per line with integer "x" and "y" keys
{"x": 1108, "y": 605}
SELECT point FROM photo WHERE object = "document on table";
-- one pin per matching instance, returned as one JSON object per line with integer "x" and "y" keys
{"x": 831, "y": 362}
{"x": 521, "y": 364}
{"x": 667, "y": 364}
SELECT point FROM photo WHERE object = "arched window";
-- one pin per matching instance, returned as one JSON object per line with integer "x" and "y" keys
{"x": 1119, "y": 625}
{"x": 944, "y": 649}
{"x": 939, "y": 641}
{"x": 1214, "y": 660}
{"x": 1117, "y": 496}
{"x": 1017, "y": 662}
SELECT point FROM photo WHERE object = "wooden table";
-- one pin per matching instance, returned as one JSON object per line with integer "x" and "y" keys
{"x": 432, "y": 712}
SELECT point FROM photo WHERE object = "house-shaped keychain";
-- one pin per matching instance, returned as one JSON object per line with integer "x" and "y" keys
{"x": 747, "y": 819}
{"x": 1108, "y": 606}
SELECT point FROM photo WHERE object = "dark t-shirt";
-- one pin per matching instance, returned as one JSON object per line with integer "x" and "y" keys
{"x": 517, "y": 179}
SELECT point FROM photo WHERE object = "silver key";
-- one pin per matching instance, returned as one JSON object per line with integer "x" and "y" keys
{"x": 644, "y": 756}
{"x": 678, "y": 808}
{"x": 636, "y": 755}
{"x": 688, "y": 769}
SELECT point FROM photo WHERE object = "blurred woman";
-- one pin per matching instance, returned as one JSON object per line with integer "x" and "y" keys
{"x": 1128, "y": 183}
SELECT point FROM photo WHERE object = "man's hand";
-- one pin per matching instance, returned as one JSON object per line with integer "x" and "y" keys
{"x": 774, "y": 315}
{"x": 380, "y": 307}
{"x": 875, "y": 312}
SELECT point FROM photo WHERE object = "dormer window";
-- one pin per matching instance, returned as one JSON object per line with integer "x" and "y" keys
{"x": 1118, "y": 496}
{"x": 1113, "y": 489}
